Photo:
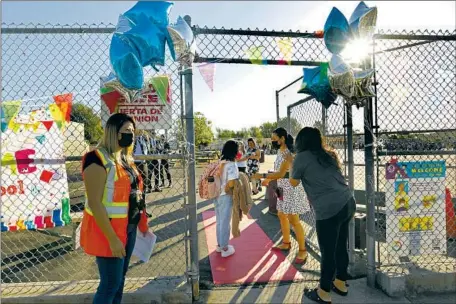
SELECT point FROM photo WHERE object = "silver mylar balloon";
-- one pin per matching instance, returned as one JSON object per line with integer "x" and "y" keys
{"x": 182, "y": 41}
{"x": 363, "y": 88}
{"x": 363, "y": 21}
{"x": 341, "y": 77}
{"x": 128, "y": 95}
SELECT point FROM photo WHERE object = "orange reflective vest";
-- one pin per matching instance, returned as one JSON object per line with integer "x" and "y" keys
{"x": 116, "y": 201}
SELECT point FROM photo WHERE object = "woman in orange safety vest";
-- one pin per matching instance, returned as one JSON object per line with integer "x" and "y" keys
{"x": 114, "y": 208}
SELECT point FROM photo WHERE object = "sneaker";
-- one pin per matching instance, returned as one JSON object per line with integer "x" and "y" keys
{"x": 219, "y": 249}
{"x": 228, "y": 252}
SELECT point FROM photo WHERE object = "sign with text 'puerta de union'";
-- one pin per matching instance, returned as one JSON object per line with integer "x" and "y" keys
{"x": 152, "y": 109}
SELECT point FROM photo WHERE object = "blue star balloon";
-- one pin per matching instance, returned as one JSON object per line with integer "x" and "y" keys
{"x": 316, "y": 84}
{"x": 363, "y": 21}
{"x": 336, "y": 31}
{"x": 125, "y": 62}
{"x": 148, "y": 41}
{"x": 156, "y": 11}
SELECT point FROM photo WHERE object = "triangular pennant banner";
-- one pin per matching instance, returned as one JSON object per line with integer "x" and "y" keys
{"x": 111, "y": 99}
{"x": 208, "y": 72}
{"x": 285, "y": 45}
{"x": 59, "y": 124}
{"x": 8, "y": 110}
{"x": 255, "y": 54}
{"x": 65, "y": 103}
{"x": 47, "y": 124}
{"x": 161, "y": 87}
{"x": 41, "y": 139}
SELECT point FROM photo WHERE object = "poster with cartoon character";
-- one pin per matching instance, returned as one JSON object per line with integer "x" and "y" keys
{"x": 34, "y": 186}
{"x": 415, "y": 208}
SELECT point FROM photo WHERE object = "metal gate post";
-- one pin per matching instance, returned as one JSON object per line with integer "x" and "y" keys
{"x": 351, "y": 181}
{"x": 289, "y": 121}
{"x": 192, "y": 208}
{"x": 323, "y": 120}
{"x": 277, "y": 107}
{"x": 370, "y": 191}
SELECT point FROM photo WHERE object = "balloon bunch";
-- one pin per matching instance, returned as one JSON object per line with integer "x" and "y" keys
{"x": 355, "y": 85}
{"x": 315, "y": 83}
{"x": 139, "y": 41}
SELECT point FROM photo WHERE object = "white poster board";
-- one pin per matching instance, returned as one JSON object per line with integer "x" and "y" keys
{"x": 415, "y": 208}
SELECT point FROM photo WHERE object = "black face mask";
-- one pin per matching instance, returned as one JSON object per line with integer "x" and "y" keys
{"x": 275, "y": 144}
{"x": 126, "y": 140}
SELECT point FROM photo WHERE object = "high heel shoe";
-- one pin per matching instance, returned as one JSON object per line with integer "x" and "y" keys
{"x": 301, "y": 260}
{"x": 284, "y": 246}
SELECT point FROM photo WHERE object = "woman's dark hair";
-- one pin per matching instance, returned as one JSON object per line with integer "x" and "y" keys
{"x": 119, "y": 119}
{"x": 289, "y": 141}
{"x": 251, "y": 139}
{"x": 229, "y": 151}
{"x": 310, "y": 139}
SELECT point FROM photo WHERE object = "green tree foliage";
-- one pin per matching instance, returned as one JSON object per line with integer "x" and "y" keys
{"x": 203, "y": 130}
{"x": 93, "y": 131}
{"x": 225, "y": 134}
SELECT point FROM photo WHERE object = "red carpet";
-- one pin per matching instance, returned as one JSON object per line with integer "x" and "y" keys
{"x": 253, "y": 261}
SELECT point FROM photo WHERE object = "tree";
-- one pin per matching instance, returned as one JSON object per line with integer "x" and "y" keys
{"x": 92, "y": 122}
{"x": 203, "y": 130}
{"x": 267, "y": 128}
{"x": 294, "y": 123}
{"x": 256, "y": 133}
{"x": 243, "y": 133}
{"x": 225, "y": 134}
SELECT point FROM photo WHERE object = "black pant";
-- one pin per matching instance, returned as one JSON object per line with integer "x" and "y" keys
{"x": 332, "y": 237}
{"x": 165, "y": 170}
{"x": 153, "y": 167}
{"x": 142, "y": 167}
{"x": 242, "y": 169}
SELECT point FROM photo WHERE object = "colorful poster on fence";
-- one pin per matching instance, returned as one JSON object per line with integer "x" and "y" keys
{"x": 151, "y": 110}
{"x": 415, "y": 208}
{"x": 34, "y": 187}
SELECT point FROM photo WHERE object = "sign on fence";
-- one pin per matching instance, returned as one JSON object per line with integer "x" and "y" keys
{"x": 151, "y": 110}
{"x": 415, "y": 208}
{"x": 34, "y": 186}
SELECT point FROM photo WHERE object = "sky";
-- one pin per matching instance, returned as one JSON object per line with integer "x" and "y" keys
{"x": 244, "y": 95}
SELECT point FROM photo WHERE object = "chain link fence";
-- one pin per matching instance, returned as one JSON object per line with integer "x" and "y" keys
{"x": 43, "y": 61}
{"x": 415, "y": 123}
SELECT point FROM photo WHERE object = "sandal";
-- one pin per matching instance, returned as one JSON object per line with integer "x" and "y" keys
{"x": 313, "y": 295}
{"x": 299, "y": 260}
{"x": 338, "y": 291}
{"x": 284, "y": 246}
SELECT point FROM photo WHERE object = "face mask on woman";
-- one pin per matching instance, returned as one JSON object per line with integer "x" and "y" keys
{"x": 275, "y": 144}
{"x": 126, "y": 140}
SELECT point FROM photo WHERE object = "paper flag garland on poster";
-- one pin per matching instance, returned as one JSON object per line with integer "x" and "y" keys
{"x": 255, "y": 54}
{"x": 111, "y": 98}
{"x": 208, "y": 73}
{"x": 65, "y": 103}
{"x": 9, "y": 109}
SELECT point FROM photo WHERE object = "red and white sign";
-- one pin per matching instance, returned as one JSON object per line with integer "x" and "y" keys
{"x": 149, "y": 111}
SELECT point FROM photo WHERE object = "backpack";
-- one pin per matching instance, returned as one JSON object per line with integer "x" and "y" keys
{"x": 209, "y": 186}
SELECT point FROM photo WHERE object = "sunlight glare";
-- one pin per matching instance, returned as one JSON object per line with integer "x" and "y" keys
{"x": 356, "y": 50}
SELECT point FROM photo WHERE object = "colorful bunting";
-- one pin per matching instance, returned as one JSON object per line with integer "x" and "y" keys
{"x": 161, "y": 86}
{"x": 41, "y": 139}
{"x": 47, "y": 124}
{"x": 207, "y": 71}
{"x": 286, "y": 48}
{"x": 65, "y": 103}
{"x": 111, "y": 98}
{"x": 9, "y": 110}
{"x": 255, "y": 55}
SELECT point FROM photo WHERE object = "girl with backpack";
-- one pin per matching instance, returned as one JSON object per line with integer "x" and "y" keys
{"x": 228, "y": 173}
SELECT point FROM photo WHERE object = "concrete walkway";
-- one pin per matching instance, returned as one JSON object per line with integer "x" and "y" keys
{"x": 293, "y": 293}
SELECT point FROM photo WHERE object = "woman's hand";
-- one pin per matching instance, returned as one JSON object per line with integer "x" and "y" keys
{"x": 117, "y": 248}
{"x": 265, "y": 182}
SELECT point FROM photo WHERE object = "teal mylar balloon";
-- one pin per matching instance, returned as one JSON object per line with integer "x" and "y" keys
{"x": 148, "y": 40}
{"x": 315, "y": 83}
{"x": 336, "y": 31}
{"x": 125, "y": 62}
{"x": 156, "y": 11}
{"x": 363, "y": 21}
